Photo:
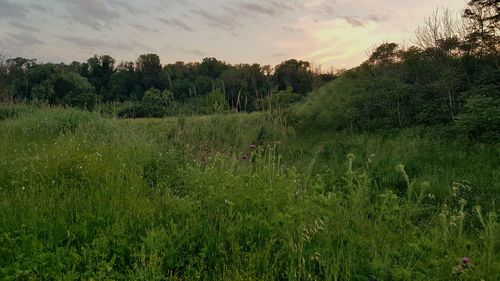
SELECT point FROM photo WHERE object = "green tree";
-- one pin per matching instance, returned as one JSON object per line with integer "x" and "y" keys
{"x": 385, "y": 54}
{"x": 3, "y": 77}
{"x": 212, "y": 67}
{"x": 484, "y": 27}
{"x": 148, "y": 68}
{"x": 481, "y": 117}
{"x": 99, "y": 71}
{"x": 44, "y": 91}
{"x": 295, "y": 74}
{"x": 203, "y": 85}
{"x": 72, "y": 89}
{"x": 123, "y": 82}
{"x": 16, "y": 69}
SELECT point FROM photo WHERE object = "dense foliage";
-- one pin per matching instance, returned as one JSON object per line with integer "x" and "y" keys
{"x": 101, "y": 80}
{"x": 451, "y": 77}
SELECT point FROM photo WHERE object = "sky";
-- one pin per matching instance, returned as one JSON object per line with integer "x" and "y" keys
{"x": 328, "y": 33}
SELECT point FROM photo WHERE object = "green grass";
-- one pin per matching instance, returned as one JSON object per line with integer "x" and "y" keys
{"x": 87, "y": 198}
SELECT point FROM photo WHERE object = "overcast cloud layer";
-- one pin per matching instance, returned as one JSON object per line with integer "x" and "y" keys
{"x": 325, "y": 32}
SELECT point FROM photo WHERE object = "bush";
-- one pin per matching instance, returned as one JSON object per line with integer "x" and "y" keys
{"x": 481, "y": 117}
{"x": 154, "y": 97}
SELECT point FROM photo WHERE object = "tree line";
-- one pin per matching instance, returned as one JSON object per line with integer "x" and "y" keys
{"x": 146, "y": 82}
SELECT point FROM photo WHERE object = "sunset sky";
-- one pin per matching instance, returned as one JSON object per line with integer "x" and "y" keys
{"x": 326, "y": 32}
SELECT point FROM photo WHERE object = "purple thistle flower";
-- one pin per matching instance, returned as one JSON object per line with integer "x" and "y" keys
{"x": 465, "y": 260}
{"x": 252, "y": 146}
{"x": 245, "y": 157}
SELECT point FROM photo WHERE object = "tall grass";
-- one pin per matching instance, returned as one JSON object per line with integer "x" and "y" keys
{"x": 82, "y": 197}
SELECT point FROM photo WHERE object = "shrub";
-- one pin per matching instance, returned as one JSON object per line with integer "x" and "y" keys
{"x": 481, "y": 117}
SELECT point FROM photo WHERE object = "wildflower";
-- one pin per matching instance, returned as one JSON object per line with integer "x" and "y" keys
{"x": 245, "y": 157}
{"x": 252, "y": 146}
{"x": 465, "y": 260}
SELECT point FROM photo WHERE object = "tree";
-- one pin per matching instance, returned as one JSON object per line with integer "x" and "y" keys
{"x": 295, "y": 74}
{"x": 243, "y": 83}
{"x": 441, "y": 25}
{"x": 212, "y": 68}
{"x": 483, "y": 27}
{"x": 203, "y": 85}
{"x": 3, "y": 77}
{"x": 148, "y": 67}
{"x": 44, "y": 91}
{"x": 16, "y": 68}
{"x": 385, "y": 54}
{"x": 72, "y": 89}
{"x": 99, "y": 71}
{"x": 481, "y": 117}
{"x": 3, "y": 69}
{"x": 123, "y": 82}
{"x": 40, "y": 80}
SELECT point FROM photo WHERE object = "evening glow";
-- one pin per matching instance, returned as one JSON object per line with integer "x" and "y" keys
{"x": 328, "y": 33}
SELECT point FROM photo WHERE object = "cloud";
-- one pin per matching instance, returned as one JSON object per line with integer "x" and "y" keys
{"x": 278, "y": 55}
{"x": 335, "y": 41}
{"x": 15, "y": 40}
{"x": 21, "y": 45}
{"x": 167, "y": 5}
{"x": 186, "y": 50}
{"x": 338, "y": 40}
{"x": 292, "y": 30}
{"x": 96, "y": 43}
{"x": 23, "y": 26}
{"x": 9, "y": 10}
{"x": 378, "y": 17}
{"x": 92, "y": 13}
{"x": 254, "y": 8}
{"x": 143, "y": 28}
{"x": 232, "y": 16}
{"x": 321, "y": 30}
{"x": 354, "y": 21}
{"x": 251, "y": 9}
{"x": 126, "y": 6}
{"x": 225, "y": 21}
{"x": 40, "y": 8}
{"x": 313, "y": 3}
{"x": 141, "y": 45}
{"x": 177, "y": 24}
{"x": 286, "y": 5}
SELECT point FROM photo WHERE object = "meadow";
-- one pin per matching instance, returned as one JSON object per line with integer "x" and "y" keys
{"x": 240, "y": 197}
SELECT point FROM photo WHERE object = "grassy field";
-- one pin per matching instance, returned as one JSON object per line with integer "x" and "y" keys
{"x": 240, "y": 197}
